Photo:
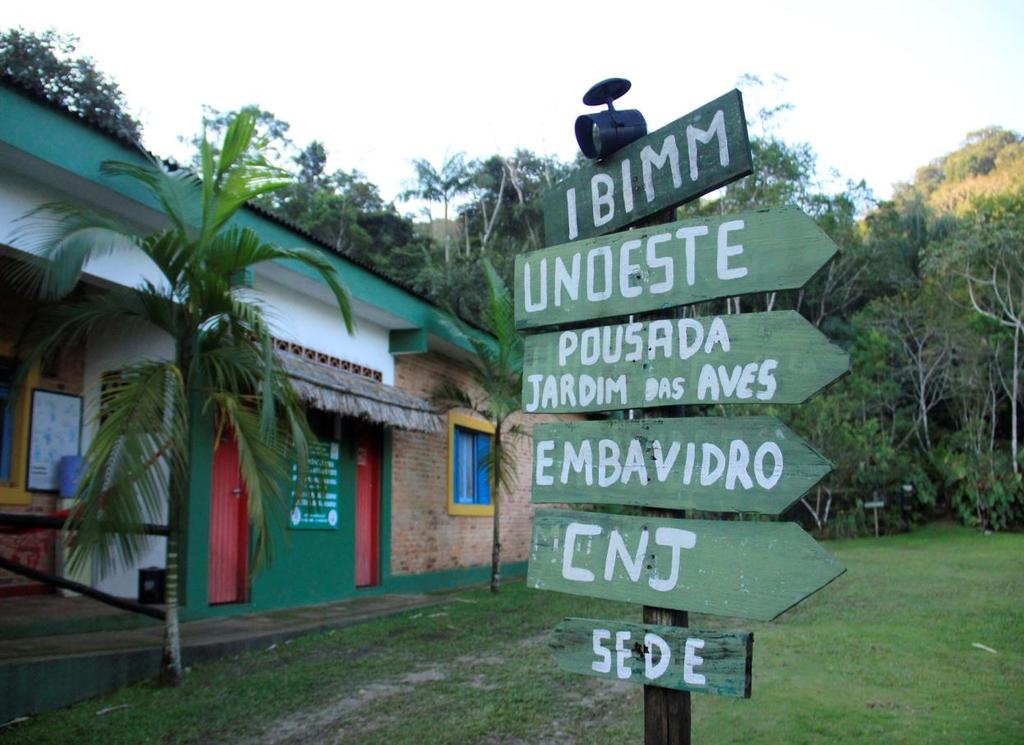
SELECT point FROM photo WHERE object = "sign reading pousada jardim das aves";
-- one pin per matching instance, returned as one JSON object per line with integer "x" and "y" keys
{"x": 747, "y": 464}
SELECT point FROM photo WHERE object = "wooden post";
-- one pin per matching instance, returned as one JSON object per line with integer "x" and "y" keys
{"x": 666, "y": 711}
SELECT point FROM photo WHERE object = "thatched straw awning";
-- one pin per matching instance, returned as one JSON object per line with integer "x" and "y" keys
{"x": 346, "y": 393}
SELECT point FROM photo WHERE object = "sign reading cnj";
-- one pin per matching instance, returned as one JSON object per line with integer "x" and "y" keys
{"x": 668, "y": 265}
{"x": 666, "y": 656}
{"x": 721, "y": 464}
{"x": 693, "y": 155}
{"x": 748, "y": 358}
{"x": 744, "y": 569}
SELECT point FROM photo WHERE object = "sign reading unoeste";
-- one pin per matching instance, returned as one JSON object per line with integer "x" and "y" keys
{"x": 693, "y": 155}
{"x": 668, "y": 265}
{"x": 721, "y": 464}
{"x": 666, "y": 656}
{"x": 747, "y": 358}
{"x": 728, "y": 568}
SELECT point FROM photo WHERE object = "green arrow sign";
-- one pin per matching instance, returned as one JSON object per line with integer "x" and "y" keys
{"x": 744, "y": 569}
{"x": 668, "y": 265}
{"x": 693, "y": 155}
{"x": 748, "y": 358}
{"x": 719, "y": 464}
{"x": 666, "y": 656}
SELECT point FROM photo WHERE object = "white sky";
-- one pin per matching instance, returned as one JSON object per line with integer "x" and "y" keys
{"x": 879, "y": 88}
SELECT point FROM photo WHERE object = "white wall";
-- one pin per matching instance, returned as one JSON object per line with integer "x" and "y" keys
{"x": 18, "y": 196}
{"x": 109, "y": 350}
{"x": 304, "y": 318}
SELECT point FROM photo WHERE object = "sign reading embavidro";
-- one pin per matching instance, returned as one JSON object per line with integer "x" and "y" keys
{"x": 693, "y": 155}
{"x": 668, "y": 265}
{"x": 742, "y": 569}
{"x": 748, "y": 358}
{"x": 720, "y": 464}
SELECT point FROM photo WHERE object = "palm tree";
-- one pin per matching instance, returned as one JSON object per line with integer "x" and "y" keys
{"x": 433, "y": 185}
{"x": 497, "y": 372}
{"x": 224, "y": 365}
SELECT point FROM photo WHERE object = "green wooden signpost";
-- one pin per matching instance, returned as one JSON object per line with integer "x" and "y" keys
{"x": 744, "y": 569}
{"x": 720, "y": 464}
{"x": 747, "y": 358}
{"x": 693, "y": 155}
{"x": 665, "y": 266}
{"x": 746, "y": 464}
{"x": 684, "y": 659}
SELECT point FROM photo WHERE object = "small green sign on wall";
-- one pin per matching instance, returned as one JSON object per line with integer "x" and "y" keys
{"x": 320, "y": 513}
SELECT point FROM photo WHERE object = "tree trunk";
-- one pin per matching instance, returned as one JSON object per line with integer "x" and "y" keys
{"x": 1014, "y": 394}
{"x": 170, "y": 663}
{"x": 177, "y": 489}
{"x": 496, "y": 538}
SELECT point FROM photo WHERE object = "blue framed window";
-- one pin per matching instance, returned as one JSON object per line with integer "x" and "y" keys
{"x": 472, "y": 471}
{"x": 469, "y": 473}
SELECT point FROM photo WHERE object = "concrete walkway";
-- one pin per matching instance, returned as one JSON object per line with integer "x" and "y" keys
{"x": 48, "y": 672}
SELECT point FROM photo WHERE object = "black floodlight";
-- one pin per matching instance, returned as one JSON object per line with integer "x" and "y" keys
{"x": 601, "y": 134}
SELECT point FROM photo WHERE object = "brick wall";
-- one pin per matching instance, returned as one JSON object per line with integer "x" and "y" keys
{"x": 34, "y": 548}
{"x": 424, "y": 537}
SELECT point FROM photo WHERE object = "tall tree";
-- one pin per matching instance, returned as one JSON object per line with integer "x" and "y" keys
{"x": 440, "y": 185}
{"x": 497, "y": 372}
{"x": 223, "y": 363}
{"x": 45, "y": 63}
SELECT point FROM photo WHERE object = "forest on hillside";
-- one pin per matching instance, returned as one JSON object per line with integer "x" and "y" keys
{"x": 927, "y": 294}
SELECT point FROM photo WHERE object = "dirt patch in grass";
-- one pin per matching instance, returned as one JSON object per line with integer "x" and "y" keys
{"x": 324, "y": 723}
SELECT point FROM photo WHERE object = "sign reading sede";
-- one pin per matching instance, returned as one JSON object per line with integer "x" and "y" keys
{"x": 666, "y": 656}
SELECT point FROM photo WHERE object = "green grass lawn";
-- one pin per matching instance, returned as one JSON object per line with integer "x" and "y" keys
{"x": 884, "y": 654}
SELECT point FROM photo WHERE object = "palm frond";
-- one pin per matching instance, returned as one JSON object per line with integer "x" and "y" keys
{"x": 448, "y": 395}
{"x": 138, "y": 451}
{"x": 70, "y": 324}
{"x": 61, "y": 239}
{"x": 178, "y": 191}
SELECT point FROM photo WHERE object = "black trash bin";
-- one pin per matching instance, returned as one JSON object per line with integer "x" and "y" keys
{"x": 151, "y": 585}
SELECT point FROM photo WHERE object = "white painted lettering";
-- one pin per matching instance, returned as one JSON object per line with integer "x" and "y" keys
{"x": 617, "y": 550}
{"x": 604, "y": 662}
{"x": 605, "y": 252}
{"x": 603, "y": 204}
{"x": 567, "y": 280}
{"x": 532, "y": 305}
{"x": 570, "y": 204}
{"x": 628, "y": 271}
{"x": 695, "y": 135}
{"x": 622, "y": 655}
{"x": 766, "y": 449}
{"x": 544, "y": 461}
{"x": 676, "y": 539}
{"x": 690, "y": 235}
{"x": 725, "y": 251}
{"x": 573, "y": 531}
{"x": 691, "y": 660}
{"x": 654, "y": 671}
{"x": 650, "y": 160}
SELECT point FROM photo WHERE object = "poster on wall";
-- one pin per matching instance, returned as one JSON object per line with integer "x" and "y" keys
{"x": 55, "y": 431}
{"x": 324, "y": 468}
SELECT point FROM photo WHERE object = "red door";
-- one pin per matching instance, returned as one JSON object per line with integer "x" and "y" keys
{"x": 368, "y": 508}
{"x": 229, "y": 528}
